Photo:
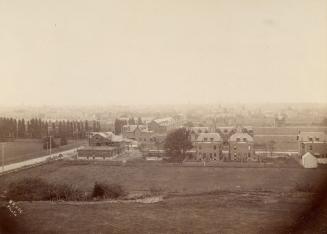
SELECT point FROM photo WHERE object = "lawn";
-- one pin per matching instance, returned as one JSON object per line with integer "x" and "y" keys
{"x": 221, "y": 213}
{"x": 198, "y": 199}
{"x": 24, "y": 149}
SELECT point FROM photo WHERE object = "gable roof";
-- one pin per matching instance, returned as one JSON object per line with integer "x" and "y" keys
{"x": 199, "y": 129}
{"x": 305, "y": 136}
{"x": 241, "y": 136}
{"x": 308, "y": 155}
{"x": 133, "y": 127}
{"x": 164, "y": 121}
{"x": 209, "y": 136}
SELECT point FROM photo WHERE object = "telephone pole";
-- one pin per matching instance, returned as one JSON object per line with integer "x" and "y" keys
{"x": 50, "y": 145}
{"x": 3, "y": 156}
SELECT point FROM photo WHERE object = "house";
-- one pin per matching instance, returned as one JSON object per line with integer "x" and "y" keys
{"x": 98, "y": 152}
{"x": 196, "y": 131}
{"x": 163, "y": 125}
{"x": 309, "y": 161}
{"x": 103, "y": 145}
{"x": 130, "y": 131}
{"x": 150, "y": 140}
{"x": 241, "y": 147}
{"x": 226, "y": 132}
{"x": 315, "y": 143}
{"x": 208, "y": 147}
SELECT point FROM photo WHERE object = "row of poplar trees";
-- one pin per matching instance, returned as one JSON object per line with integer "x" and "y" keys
{"x": 37, "y": 128}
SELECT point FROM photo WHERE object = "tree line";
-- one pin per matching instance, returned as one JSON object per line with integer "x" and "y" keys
{"x": 37, "y": 128}
{"x": 120, "y": 122}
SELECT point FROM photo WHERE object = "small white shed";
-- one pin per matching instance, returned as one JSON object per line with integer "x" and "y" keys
{"x": 309, "y": 161}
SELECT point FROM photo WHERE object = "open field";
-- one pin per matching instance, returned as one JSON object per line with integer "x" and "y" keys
{"x": 24, "y": 149}
{"x": 217, "y": 213}
{"x": 172, "y": 179}
{"x": 198, "y": 199}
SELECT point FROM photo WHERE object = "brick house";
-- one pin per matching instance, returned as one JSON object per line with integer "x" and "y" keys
{"x": 241, "y": 147}
{"x": 313, "y": 142}
{"x": 208, "y": 147}
{"x": 196, "y": 131}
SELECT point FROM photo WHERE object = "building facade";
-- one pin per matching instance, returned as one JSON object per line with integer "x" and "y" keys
{"x": 241, "y": 147}
{"x": 208, "y": 147}
{"x": 315, "y": 143}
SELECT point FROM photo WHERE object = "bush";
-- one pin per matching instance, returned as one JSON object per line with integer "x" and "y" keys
{"x": 66, "y": 192}
{"x": 29, "y": 189}
{"x": 155, "y": 191}
{"x": 36, "y": 189}
{"x": 111, "y": 191}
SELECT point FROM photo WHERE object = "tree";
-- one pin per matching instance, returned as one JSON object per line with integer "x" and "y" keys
{"x": 139, "y": 121}
{"x": 119, "y": 125}
{"x": 178, "y": 142}
{"x": 131, "y": 121}
{"x": 63, "y": 141}
{"x": 189, "y": 124}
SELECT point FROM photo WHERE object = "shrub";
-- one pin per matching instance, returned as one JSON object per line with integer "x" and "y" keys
{"x": 65, "y": 192}
{"x": 155, "y": 191}
{"x": 111, "y": 191}
{"x": 36, "y": 189}
{"x": 29, "y": 189}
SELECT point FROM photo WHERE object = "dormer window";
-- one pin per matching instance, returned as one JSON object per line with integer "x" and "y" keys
{"x": 238, "y": 139}
{"x": 244, "y": 139}
{"x": 317, "y": 138}
{"x": 211, "y": 139}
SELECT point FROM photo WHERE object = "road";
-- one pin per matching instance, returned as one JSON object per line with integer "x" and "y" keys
{"x": 35, "y": 161}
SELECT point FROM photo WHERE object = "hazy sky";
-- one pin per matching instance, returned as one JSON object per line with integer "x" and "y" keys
{"x": 162, "y": 51}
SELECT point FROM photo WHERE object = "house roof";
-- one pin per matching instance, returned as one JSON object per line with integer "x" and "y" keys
{"x": 103, "y": 134}
{"x": 241, "y": 136}
{"x": 108, "y": 135}
{"x": 212, "y": 135}
{"x": 164, "y": 121}
{"x": 305, "y": 136}
{"x": 308, "y": 155}
{"x": 199, "y": 129}
{"x": 133, "y": 127}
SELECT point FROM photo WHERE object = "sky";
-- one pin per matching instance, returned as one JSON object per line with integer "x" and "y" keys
{"x": 162, "y": 52}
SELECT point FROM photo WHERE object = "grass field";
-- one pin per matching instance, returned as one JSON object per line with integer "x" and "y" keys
{"x": 24, "y": 149}
{"x": 198, "y": 199}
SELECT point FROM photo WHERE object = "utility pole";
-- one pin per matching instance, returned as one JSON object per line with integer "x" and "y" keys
{"x": 3, "y": 156}
{"x": 50, "y": 144}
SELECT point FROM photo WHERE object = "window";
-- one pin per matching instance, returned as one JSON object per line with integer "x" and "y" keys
{"x": 310, "y": 147}
{"x": 204, "y": 154}
{"x": 310, "y": 139}
{"x": 317, "y": 138}
{"x": 211, "y": 139}
{"x": 234, "y": 147}
{"x": 238, "y": 139}
{"x": 249, "y": 155}
{"x": 244, "y": 139}
{"x": 214, "y": 147}
{"x": 200, "y": 147}
{"x": 205, "y": 139}
{"x": 210, "y": 155}
{"x": 144, "y": 139}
